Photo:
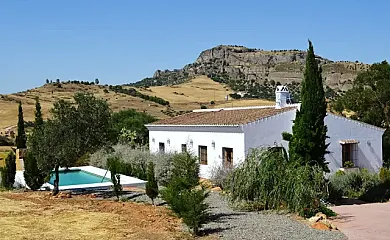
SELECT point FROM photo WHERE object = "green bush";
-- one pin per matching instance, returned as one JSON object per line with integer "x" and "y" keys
{"x": 267, "y": 179}
{"x": 8, "y": 172}
{"x": 151, "y": 185}
{"x": 33, "y": 176}
{"x": 113, "y": 164}
{"x": 183, "y": 194}
{"x": 384, "y": 175}
{"x": 352, "y": 184}
{"x": 134, "y": 161}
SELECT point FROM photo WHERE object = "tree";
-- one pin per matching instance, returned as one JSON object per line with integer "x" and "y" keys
{"x": 47, "y": 81}
{"x": 57, "y": 81}
{"x": 133, "y": 121}
{"x": 8, "y": 172}
{"x": 33, "y": 176}
{"x": 73, "y": 132}
{"x": 38, "y": 114}
{"x": 183, "y": 194}
{"x": 369, "y": 99}
{"x": 151, "y": 185}
{"x": 21, "y": 138}
{"x": 97, "y": 81}
{"x": 113, "y": 164}
{"x": 307, "y": 144}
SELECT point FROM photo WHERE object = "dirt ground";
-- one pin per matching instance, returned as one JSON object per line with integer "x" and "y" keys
{"x": 364, "y": 221}
{"x": 34, "y": 215}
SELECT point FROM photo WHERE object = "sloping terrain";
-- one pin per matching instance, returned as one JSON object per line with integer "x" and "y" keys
{"x": 183, "y": 97}
{"x": 247, "y": 66}
{"x": 49, "y": 93}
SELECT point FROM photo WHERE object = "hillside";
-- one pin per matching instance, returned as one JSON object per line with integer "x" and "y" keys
{"x": 183, "y": 97}
{"x": 246, "y": 69}
{"x": 49, "y": 93}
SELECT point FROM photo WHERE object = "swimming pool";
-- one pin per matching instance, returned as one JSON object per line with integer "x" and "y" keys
{"x": 82, "y": 178}
{"x": 76, "y": 177}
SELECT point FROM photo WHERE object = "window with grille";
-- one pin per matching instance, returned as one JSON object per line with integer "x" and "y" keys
{"x": 349, "y": 154}
{"x": 203, "y": 155}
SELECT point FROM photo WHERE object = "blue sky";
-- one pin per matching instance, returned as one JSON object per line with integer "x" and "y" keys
{"x": 124, "y": 41}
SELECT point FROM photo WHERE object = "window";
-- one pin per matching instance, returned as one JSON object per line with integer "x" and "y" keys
{"x": 227, "y": 154}
{"x": 203, "y": 155}
{"x": 184, "y": 148}
{"x": 161, "y": 147}
{"x": 349, "y": 154}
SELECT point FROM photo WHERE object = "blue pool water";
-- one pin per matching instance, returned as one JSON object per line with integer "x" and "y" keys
{"x": 76, "y": 177}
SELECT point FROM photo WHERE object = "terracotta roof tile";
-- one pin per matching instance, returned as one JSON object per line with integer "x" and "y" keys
{"x": 222, "y": 117}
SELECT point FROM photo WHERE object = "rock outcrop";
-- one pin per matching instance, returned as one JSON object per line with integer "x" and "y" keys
{"x": 254, "y": 65}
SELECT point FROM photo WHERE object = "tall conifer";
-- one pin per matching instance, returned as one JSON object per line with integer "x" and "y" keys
{"x": 307, "y": 144}
{"x": 38, "y": 114}
{"x": 21, "y": 138}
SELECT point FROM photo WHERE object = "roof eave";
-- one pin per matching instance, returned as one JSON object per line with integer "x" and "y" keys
{"x": 192, "y": 125}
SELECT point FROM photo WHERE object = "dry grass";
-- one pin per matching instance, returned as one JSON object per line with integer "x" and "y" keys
{"x": 49, "y": 94}
{"x": 183, "y": 97}
{"x": 37, "y": 216}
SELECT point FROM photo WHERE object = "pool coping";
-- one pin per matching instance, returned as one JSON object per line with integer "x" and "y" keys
{"x": 126, "y": 181}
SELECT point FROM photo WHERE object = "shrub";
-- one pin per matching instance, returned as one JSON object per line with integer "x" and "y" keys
{"x": 8, "y": 172}
{"x": 134, "y": 161}
{"x": 353, "y": 184}
{"x": 384, "y": 175}
{"x": 212, "y": 102}
{"x": 203, "y": 107}
{"x": 33, "y": 176}
{"x": 219, "y": 175}
{"x": 113, "y": 165}
{"x": 151, "y": 185}
{"x": 267, "y": 179}
{"x": 182, "y": 194}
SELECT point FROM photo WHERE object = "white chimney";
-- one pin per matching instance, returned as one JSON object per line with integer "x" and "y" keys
{"x": 282, "y": 96}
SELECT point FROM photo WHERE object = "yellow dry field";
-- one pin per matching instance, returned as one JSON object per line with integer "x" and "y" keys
{"x": 49, "y": 94}
{"x": 35, "y": 215}
{"x": 4, "y": 150}
{"x": 200, "y": 91}
{"x": 182, "y": 97}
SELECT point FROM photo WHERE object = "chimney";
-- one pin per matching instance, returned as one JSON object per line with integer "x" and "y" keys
{"x": 282, "y": 97}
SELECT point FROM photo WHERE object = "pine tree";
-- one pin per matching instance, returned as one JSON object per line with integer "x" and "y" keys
{"x": 21, "y": 138}
{"x": 151, "y": 185}
{"x": 307, "y": 143}
{"x": 38, "y": 114}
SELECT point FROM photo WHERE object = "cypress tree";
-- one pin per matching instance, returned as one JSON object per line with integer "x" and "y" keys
{"x": 8, "y": 172}
{"x": 307, "y": 144}
{"x": 21, "y": 138}
{"x": 151, "y": 184}
{"x": 38, "y": 114}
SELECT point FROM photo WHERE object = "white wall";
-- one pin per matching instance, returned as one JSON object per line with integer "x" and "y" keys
{"x": 267, "y": 131}
{"x": 369, "y": 154}
{"x": 231, "y": 137}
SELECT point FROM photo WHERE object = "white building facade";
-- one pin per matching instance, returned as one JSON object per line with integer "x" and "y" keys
{"x": 225, "y": 136}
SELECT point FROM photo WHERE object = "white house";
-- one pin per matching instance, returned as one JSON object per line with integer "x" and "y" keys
{"x": 226, "y": 135}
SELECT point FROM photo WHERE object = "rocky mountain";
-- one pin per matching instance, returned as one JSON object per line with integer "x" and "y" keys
{"x": 242, "y": 68}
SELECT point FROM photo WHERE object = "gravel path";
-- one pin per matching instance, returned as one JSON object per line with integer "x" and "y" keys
{"x": 229, "y": 224}
{"x": 235, "y": 225}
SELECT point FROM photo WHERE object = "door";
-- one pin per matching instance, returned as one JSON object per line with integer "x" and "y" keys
{"x": 227, "y": 154}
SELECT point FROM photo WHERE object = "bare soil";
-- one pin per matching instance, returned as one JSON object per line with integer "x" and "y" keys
{"x": 36, "y": 215}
